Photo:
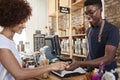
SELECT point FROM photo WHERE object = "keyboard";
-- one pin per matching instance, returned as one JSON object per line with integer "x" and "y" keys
{"x": 65, "y": 73}
{"x": 61, "y": 58}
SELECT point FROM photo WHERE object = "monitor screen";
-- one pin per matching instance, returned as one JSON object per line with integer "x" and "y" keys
{"x": 49, "y": 43}
{"x": 53, "y": 42}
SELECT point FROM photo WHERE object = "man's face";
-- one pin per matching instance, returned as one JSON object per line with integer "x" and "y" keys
{"x": 93, "y": 13}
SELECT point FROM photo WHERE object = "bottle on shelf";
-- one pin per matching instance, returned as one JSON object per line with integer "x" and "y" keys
{"x": 76, "y": 46}
{"x": 65, "y": 45}
{"x": 84, "y": 46}
{"x": 79, "y": 46}
{"x": 21, "y": 46}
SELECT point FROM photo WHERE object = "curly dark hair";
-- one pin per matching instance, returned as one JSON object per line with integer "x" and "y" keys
{"x": 14, "y": 12}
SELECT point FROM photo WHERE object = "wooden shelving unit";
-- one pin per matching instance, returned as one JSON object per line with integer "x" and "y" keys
{"x": 65, "y": 53}
{"x": 64, "y": 36}
{"x": 79, "y": 35}
{"x": 76, "y": 55}
{"x": 78, "y": 4}
{"x": 65, "y": 24}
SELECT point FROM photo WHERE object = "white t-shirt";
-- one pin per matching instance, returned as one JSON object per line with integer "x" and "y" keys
{"x": 9, "y": 44}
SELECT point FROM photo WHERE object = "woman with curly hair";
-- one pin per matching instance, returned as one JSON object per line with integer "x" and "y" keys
{"x": 13, "y": 15}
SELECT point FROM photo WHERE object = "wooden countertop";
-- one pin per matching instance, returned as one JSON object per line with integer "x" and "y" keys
{"x": 54, "y": 77}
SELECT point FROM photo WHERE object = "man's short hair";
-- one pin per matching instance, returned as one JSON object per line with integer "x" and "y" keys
{"x": 93, "y": 2}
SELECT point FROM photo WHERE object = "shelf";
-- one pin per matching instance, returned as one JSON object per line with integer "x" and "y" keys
{"x": 65, "y": 53}
{"x": 64, "y": 3}
{"x": 77, "y": 26}
{"x": 52, "y": 15}
{"x": 74, "y": 55}
{"x": 77, "y": 55}
{"x": 79, "y": 35}
{"x": 77, "y": 5}
{"x": 64, "y": 36}
{"x": 78, "y": 2}
{"x": 64, "y": 29}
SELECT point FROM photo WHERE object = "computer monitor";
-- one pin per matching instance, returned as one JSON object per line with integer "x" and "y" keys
{"x": 53, "y": 42}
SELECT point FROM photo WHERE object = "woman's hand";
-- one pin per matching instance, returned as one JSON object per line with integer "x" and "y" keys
{"x": 59, "y": 65}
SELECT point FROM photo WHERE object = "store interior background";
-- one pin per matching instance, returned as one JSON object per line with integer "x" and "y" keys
{"x": 39, "y": 20}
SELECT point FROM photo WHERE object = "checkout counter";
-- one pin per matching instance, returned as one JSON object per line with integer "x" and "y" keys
{"x": 51, "y": 76}
{"x": 54, "y": 77}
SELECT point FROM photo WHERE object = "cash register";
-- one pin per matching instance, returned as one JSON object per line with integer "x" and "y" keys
{"x": 53, "y": 53}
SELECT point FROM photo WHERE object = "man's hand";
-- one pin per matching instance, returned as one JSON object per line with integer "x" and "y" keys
{"x": 72, "y": 66}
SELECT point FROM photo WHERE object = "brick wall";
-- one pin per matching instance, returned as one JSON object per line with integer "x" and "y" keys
{"x": 112, "y": 11}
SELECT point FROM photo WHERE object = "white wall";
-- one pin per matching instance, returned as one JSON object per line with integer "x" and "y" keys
{"x": 38, "y": 21}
